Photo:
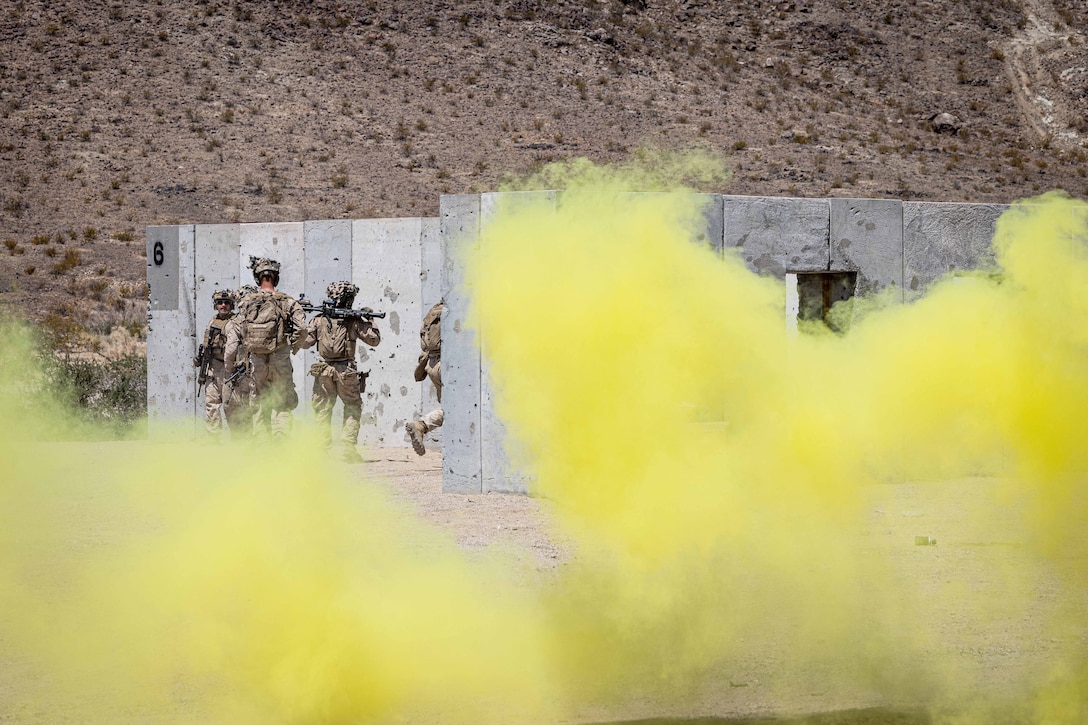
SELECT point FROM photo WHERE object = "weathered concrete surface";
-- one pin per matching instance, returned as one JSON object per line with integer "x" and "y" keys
{"x": 406, "y": 265}
{"x": 867, "y": 238}
{"x": 775, "y": 236}
{"x": 941, "y": 237}
{"x": 171, "y": 377}
{"x": 387, "y": 259}
{"x": 459, "y": 217}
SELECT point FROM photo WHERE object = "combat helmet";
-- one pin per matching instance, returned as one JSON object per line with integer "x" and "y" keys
{"x": 264, "y": 265}
{"x": 222, "y": 295}
{"x": 342, "y": 293}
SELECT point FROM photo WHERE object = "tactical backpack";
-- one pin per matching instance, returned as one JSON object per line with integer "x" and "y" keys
{"x": 264, "y": 323}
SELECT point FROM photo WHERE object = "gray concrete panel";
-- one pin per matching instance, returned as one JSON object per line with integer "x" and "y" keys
{"x": 327, "y": 246}
{"x": 1080, "y": 229}
{"x": 430, "y": 277}
{"x": 387, "y": 256}
{"x": 216, "y": 250}
{"x": 459, "y": 219}
{"x": 497, "y": 448}
{"x": 867, "y": 238}
{"x": 163, "y": 268}
{"x": 776, "y": 235}
{"x": 171, "y": 377}
{"x": 283, "y": 242}
{"x": 713, "y": 223}
{"x": 940, "y": 237}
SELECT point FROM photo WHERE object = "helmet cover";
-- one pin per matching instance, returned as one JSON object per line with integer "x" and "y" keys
{"x": 341, "y": 291}
{"x": 264, "y": 265}
{"x": 222, "y": 295}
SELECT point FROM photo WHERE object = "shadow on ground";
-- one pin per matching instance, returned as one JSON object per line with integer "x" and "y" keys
{"x": 870, "y": 716}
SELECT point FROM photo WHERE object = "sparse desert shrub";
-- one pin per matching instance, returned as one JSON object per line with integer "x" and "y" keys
{"x": 109, "y": 395}
{"x": 72, "y": 259}
{"x": 97, "y": 287}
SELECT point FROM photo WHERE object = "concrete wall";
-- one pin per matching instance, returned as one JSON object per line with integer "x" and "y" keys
{"x": 384, "y": 257}
{"x": 171, "y": 328}
{"x": 403, "y": 266}
{"x": 900, "y": 247}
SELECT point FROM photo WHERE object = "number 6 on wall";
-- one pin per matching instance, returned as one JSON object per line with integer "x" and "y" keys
{"x": 156, "y": 254}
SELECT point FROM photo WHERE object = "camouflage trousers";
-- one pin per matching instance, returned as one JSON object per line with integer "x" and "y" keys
{"x": 239, "y": 409}
{"x": 214, "y": 392}
{"x": 332, "y": 380}
{"x": 435, "y": 418}
{"x": 274, "y": 395}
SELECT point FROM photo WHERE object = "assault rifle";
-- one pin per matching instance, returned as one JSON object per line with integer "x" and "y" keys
{"x": 203, "y": 360}
{"x": 328, "y": 308}
{"x": 240, "y": 371}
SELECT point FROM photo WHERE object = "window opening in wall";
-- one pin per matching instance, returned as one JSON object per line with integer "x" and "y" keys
{"x": 820, "y": 300}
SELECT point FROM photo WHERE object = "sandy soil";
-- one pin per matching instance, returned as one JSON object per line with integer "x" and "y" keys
{"x": 969, "y": 556}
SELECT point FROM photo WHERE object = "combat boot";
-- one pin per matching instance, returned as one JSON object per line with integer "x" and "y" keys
{"x": 416, "y": 431}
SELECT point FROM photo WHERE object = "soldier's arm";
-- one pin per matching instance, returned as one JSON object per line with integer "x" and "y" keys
{"x": 367, "y": 332}
{"x": 298, "y": 324}
{"x": 309, "y": 336}
{"x": 233, "y": 333}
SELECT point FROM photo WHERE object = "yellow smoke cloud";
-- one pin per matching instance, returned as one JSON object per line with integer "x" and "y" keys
{"x": 197, "y": 583}
{"x": 718, "y": 475}
{"x": 614, "y": 339}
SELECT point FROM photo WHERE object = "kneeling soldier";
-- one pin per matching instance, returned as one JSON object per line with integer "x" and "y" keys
{"x": 336, "y": 375}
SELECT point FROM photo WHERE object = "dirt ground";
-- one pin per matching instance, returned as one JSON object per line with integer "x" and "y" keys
{"x": 969, "y": 555}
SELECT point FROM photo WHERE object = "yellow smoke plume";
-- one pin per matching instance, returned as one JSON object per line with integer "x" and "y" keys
{"x": 716, "y": 474}
{"x": 717, "y": 471}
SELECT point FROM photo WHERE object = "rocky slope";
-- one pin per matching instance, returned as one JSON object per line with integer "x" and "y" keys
{"x": 115, "y": 116}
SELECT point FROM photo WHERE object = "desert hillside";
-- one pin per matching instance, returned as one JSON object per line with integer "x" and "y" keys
{"x": 116, "y": 116}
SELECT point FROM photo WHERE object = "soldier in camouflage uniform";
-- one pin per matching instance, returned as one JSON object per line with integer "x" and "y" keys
{"x": 429, "y": 366}
{"x": 336, "y": 375}
{"x": 214, "y": 345}
{"x": 239, "y": 403}
{"x": 272, "y": 324}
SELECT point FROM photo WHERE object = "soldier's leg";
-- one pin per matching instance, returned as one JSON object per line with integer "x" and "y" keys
{"x": 213, "y": 402}
{"x": 323, "y": 400}
{"x": 352, "y": 398}
{"x": 433, "y": 420}
{"x": 434, "y": 372}
{"x": 239, "y": 410}
{"x": 285, "y": 399}
{"x": 262, "y": 410}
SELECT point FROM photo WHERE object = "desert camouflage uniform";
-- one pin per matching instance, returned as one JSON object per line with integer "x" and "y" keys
{"x": 274, "y": 395}
{"x": 214, "y": 388}
{"x": 429, "y": 366}
{"x": 239, "y": 409}
{"x": 336, "y": 375}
